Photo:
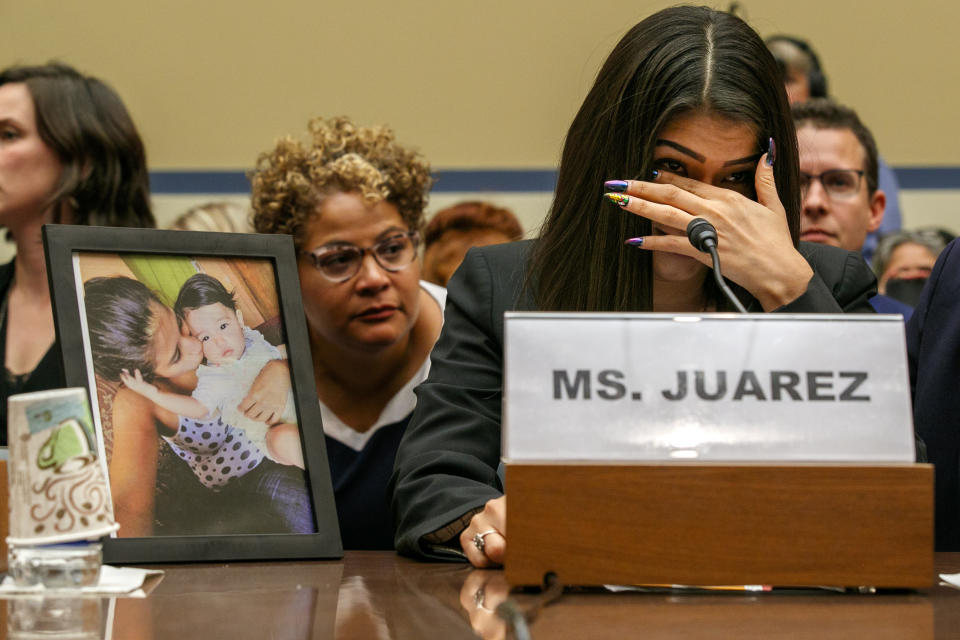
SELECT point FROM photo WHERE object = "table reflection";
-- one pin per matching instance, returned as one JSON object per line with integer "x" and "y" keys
{"x": 401, "y": 599}
{"x": 379, "y": 596}
{"x": 698, "y": 614}
{"x": 357, "y": 616}
{"x": 55, "y": 617}
{"x": 482, "y": 592}
{"x": 277, "y": 601}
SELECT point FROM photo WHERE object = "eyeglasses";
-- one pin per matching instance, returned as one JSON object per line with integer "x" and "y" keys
{"x": 339, "y": 263}
{"x": 838, "y": 183}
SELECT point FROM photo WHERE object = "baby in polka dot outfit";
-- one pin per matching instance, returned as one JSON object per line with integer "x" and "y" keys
{"x": 216, "y": 452}
{"x": 214, "y": 438}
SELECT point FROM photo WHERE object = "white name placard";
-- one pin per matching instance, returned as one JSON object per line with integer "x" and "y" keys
{"x": 755, "y": 387}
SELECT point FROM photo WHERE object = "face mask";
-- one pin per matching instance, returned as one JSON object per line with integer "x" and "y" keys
{"x": 906, "y": 291}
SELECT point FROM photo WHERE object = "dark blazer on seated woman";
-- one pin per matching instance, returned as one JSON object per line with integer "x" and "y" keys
{"x": 933, "y": 349}
{"x": 446, "y": 467}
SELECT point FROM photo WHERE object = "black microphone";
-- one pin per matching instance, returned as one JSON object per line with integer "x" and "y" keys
{"x": 703, "y": 236}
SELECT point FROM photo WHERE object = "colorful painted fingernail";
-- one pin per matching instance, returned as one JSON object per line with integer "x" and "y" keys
{"x": 619, "y": 186}
{"x": 634, "y": 242}
{"x": 655, "y": 173}
{"x": 771, "y": 153}
{"x": 617, "y": 198}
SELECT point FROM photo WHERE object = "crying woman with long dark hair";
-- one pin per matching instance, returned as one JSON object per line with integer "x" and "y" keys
{"x": 687, "y": 119}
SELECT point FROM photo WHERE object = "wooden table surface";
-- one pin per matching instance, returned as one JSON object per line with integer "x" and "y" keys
{"x": 378, "y": 595}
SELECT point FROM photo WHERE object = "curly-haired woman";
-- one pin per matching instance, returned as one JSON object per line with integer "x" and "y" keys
{"x": 353, "y": 200}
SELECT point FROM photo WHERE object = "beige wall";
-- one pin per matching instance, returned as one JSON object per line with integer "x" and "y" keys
{"x": 472, "y": 84}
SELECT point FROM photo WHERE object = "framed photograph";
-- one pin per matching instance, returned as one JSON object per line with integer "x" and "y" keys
{"x": 195, "y": 352}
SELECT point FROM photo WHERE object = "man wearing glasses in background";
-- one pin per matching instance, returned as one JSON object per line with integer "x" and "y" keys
{"x": 838, "y": 181}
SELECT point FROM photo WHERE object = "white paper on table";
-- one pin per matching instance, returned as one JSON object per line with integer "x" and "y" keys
{"x": 953, "y": 579}
{"x": 114, "y": 581}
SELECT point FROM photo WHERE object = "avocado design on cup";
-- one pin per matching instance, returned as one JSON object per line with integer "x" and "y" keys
{"x": 67, "y": 443}
{"x": 58, "y": 485}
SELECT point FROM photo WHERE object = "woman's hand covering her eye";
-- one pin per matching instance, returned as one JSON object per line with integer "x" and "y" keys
{"x": 755, "y": 247}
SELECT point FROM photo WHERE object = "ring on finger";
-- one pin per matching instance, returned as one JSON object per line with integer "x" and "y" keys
{"x": 478, "y": 539}
{"x": 478, "y": 600}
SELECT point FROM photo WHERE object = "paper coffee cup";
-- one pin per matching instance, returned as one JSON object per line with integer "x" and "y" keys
{"x": 58, "y": 488}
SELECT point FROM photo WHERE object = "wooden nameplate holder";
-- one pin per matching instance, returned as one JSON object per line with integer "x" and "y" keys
{"x": 803, "y": 524}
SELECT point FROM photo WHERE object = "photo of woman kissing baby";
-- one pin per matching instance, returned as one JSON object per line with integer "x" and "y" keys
{"x": 195, "y": 397}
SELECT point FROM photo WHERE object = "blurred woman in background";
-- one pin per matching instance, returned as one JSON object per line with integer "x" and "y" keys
{"x": 69, "y": 154}
{"x": 451, "y": 232}
{"x": 224, "y": 216}
{"x": 903, "y": 262}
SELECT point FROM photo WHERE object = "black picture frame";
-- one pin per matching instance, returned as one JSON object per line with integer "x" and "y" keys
{"x": 63, "y": 242}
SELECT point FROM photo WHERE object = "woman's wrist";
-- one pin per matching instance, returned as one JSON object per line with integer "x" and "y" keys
{"x": 794, "y": 277}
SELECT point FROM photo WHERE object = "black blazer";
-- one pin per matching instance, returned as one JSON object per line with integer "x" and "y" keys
{"x": 933, "y": 349}
{"x": 446, "y": 466}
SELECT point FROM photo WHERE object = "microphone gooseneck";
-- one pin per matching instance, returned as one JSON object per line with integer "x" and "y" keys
{"x": 703, "y": 236}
